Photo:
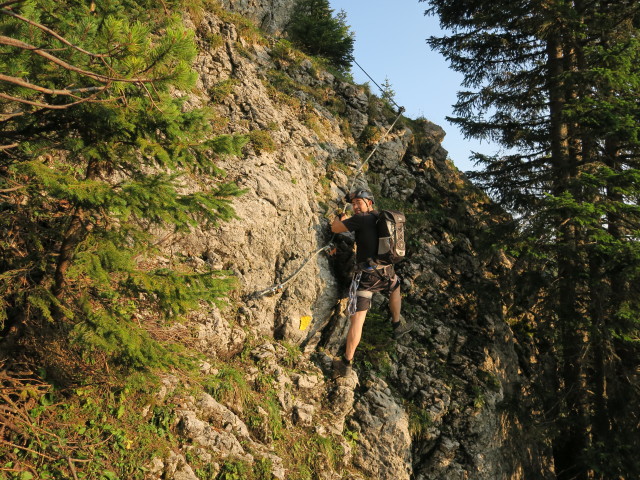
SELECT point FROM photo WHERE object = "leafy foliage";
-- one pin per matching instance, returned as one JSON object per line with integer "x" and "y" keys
{"x": 91, "y": 177}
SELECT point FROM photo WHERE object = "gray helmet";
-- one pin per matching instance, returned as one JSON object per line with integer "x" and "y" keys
{"x": 360, "y": 194}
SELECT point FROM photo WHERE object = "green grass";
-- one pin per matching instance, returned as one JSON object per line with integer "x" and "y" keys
{"x": 419, "y": 422}
{"x": 222, "y": 90}
{"x": 121, "y": 426}
{"x": 229, "y": 387}
{"x": 262, "y": 141}
{"x": 95, "y": 431}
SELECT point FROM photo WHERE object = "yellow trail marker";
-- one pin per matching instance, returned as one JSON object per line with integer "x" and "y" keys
{"x": 305, "y": 322}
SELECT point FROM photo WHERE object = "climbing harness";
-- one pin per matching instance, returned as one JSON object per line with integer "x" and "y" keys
{"x": 353, "y": 293}
{"x": 359, "y": 170}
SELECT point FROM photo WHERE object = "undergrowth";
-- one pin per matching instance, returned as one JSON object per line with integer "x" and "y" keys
{"x": 113, "y": 427}
{"x": 104, "y": 430}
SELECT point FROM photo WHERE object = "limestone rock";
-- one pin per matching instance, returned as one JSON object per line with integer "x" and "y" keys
{"x": 177, "y": 468}
{"x": 203, "y": 434}
{"x": 168, "y": 385}
{"x": 270, "y": 15}
{"x": 215, "y": 336}
{"x": 155, "y": 469}
{"x": 277, "y": 469}
{"x": 392, "y": 150}
{"x": 306, "y": 382}
{"x": 384, "y": 441}
{"x": 457, "y": 367}
{"x": 303, "y": 414}
{"x": 217, "y": 414}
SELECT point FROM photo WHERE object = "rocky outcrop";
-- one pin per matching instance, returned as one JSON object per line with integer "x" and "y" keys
{"x": 385, "y": 442}
{"x": 445, "y": 403}
{"x": 271, "y": 15}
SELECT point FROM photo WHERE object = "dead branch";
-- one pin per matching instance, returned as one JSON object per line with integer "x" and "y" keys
{"x": 43, "y": 455}
{"x": 7, "y": 423}
{"x": 2, "y": 469}
{"x": 73, "y": 468}
{"x": 51, "y": 91}
{"x": 9, "y": 116}
{"x": 16, "y": 410}
{"x": 151, "y": 97}
{"x": 12, "y": 189}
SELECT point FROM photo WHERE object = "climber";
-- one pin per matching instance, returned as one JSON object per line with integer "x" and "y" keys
{"x": 368, "y": 278}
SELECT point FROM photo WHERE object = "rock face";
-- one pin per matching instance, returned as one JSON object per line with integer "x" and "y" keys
{"x": 270, "y": 15}
{"x": 449, "y": 401}
{"x": 385, "y": 446}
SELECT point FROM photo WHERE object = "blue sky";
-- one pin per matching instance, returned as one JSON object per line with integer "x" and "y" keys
{"x": 391, "y": 43}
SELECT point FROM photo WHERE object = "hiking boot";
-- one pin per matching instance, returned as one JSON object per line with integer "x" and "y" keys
{"x": 402, "y": 329}
{"x": 340, "y": 368}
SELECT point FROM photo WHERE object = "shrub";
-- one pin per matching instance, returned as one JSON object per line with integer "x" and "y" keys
{"x": 262, "y": 141}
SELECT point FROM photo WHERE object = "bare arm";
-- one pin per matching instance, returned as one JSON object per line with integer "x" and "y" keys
{"x": 337, "y": 226}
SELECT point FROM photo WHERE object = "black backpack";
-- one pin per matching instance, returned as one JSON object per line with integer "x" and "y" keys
{"x": 391, "y": 246}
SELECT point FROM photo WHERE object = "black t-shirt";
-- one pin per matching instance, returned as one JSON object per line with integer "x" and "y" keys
{"x": 364, "y": 227}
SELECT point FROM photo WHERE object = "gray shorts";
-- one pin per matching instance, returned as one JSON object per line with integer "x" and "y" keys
{"x": 381, "y": 280}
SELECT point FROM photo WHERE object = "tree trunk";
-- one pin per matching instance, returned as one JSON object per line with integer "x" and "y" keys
{"x": 74, "y": 234}
{"x": 71, "y": 239}
{"x": 571, "y": 441}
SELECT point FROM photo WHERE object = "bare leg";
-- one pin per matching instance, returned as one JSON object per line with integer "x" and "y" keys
{"x": 395, "y": 302}
{"x": 354, "y": 334}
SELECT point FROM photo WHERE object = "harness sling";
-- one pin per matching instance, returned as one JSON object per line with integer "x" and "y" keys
{"x": 353, "y": 293}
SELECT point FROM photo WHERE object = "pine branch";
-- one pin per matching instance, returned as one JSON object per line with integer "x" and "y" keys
{"x": 51, "y": 91}
{"x": 52, "y": 33}
{"x": 11, "y": 42}
{"x": 155, "y": 105}
{"x": 12, "y": 2}
{"x": 74, "y": 236}
{"x": 50, "y": 106}
{"x": 8, "y": 116}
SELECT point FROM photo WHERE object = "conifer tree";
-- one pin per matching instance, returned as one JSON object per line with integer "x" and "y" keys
{"x": 388, "y": 93}
{"x": 95, "y": 147}
{"x": 556, "y": 83}
{"x": 315, "y": 29}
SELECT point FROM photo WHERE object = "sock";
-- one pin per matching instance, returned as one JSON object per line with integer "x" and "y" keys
{"x": 344, "y": 359}
{"x": 395, "y": 325}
